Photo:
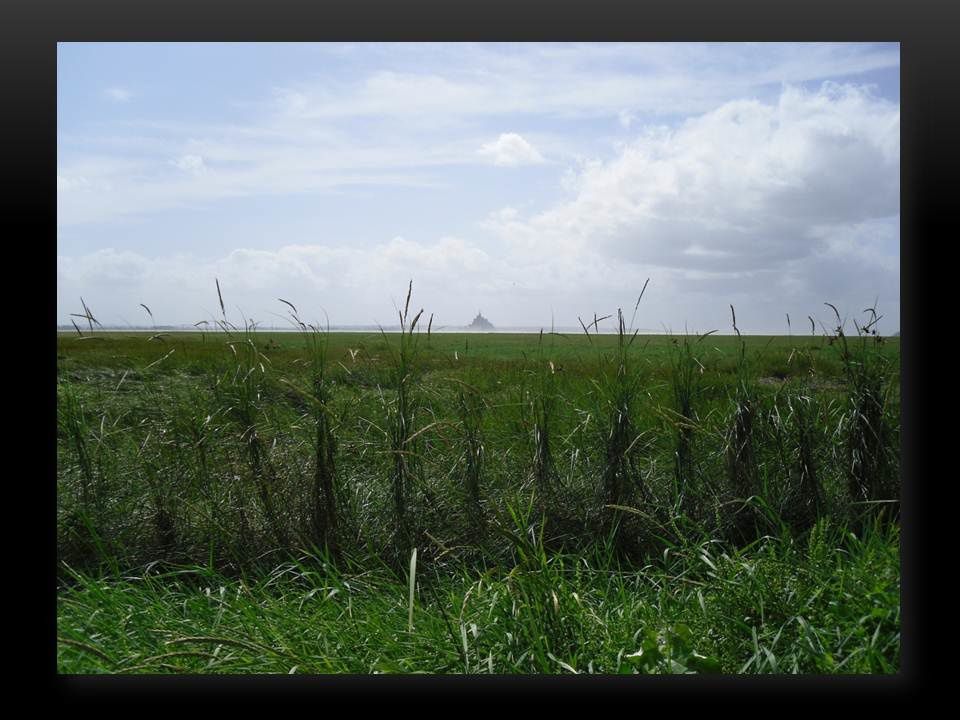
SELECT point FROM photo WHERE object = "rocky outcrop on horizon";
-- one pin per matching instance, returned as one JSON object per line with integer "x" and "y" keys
{"x": 480, "y": 323}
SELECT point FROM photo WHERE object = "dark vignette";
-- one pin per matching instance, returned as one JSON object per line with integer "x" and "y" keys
{"x": 923, "y": 29}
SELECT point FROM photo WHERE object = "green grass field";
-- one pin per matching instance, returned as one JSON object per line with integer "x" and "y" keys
{"x": 241, "y": 501}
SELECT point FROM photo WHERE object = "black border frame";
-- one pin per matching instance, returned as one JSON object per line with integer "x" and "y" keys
{"x": 922, "y": 27}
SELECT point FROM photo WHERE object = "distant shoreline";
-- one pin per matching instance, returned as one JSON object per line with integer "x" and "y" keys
{"x": 347, "y": 328}
{"x": 375, "y": 329}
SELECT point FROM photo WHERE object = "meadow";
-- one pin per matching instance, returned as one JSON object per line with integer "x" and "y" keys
{"x": 233, "y": 500}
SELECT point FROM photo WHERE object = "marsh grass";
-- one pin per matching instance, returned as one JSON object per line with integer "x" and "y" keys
{"x": 686, "y": 373}
{"x": 323, "y": 493}
{"x": 72, "y": 422}
{"x": 807, "y": 500}
{"x": 471, "y": 408}
{"x": 825, "y": 603}
{"x": 240, "y": 392}
{"x": 402, "y": 416}
{"x": 543, "y": 406}
{"x": 180, "y": 459}
{"x": 617, "y": 387}
{"x": 161, "y": 469}
{"x": 741, "y": 461}
{"x": 88, "y": 516}
{"x": 871, "y": 442}
{"x": 236, "y": 448}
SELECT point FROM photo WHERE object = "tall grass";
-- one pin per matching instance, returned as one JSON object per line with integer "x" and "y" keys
{"x": 620, "y": 474}
{"x": 180, "y": 467}
{"x": 195, "y": 439}
{"x": 72, "y": 422}
{"x": 471, "y": 408}
{"x": 872, "y": 469}
{"x": 83, "y": 517}
{"x": 402, "y": 421}
{"x": 741, "y": 462}
{"x": 685, "y": 380}
{"x": 809, "y": 502}
{"x": 241, "y": 392}
{"x": 324, "y": 519}
{"x": 161, "y": 469}
{"x": 543, "y": 407}
{"x": 617, "y": 387}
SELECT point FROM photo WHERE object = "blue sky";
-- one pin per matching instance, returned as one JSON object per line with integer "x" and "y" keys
{"x": 527, "y": 180}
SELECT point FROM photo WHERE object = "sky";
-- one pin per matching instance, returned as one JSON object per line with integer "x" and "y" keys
{"x": 537, "y": 183}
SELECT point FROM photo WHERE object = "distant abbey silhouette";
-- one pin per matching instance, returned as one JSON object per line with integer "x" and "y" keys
{"x": 480, "y": 323}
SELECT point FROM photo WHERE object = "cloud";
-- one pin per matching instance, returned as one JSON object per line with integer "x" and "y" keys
{"x": 106, "y": 189}
{"x": 192, "y": 164}
{"x": 454, "y": 276}
{"x": 118, "y": 94}
{"x": 571, "y": 80}
{"x": 354, "y": 285}
{"x": 409, "y": 110}
{"x": 744, "y": 187}
{"x": 511, "y": 150}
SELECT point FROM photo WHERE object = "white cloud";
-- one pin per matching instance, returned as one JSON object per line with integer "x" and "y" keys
{"x": 115, "y": 189}
{"x": 351, "y": 284}
{"x": 511, "y": 150}
{"x": 192, "y": 164}
{"x": 118, "y": 94}
{"x": 380, "y": 126}
{"x": 454, "y": 276}
{"x": 486, "y": 79}
{"x": 740, "y": 188}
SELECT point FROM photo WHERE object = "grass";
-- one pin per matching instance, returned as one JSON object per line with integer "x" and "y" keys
{"x": 402, "y": 417}
{"x": 470, "y": 409}
{"x": 324, "y": 519}
{"x": 870, "y": 436}
{"x": 418, "y": 501}
{"x": 543, "y": 402}
{"x": 199, "y": 412}
{"x": 686, "y": 380}
{"x": 825, "y": 604}
{"x": 742, "y": 472}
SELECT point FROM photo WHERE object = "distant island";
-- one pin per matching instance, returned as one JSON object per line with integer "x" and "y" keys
{"x": 480, "y": 323}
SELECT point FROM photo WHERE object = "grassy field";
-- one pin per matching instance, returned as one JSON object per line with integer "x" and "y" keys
{"x": 244, "y": 501}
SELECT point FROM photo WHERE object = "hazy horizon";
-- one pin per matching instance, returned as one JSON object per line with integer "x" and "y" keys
{"x": 532, "y": 181}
